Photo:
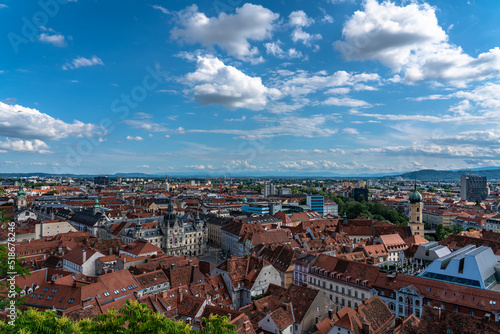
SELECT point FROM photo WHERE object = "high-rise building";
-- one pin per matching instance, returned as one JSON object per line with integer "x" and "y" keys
{"x": 473, "y": 188}
{"x": 101, "y": 180}
{"x": 269, "y": 190}
{"x": 316, "y": 203}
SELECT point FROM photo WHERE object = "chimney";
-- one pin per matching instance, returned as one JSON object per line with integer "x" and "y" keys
{"x": 124, "y": 259}
{"x": 74, "y": 285}
{"x": 365, "y": 329}
{"x": 173, "y": 266}
{"x": 330, "y": 314}
{"x": 84, "y": 256}
{"x": 229, "y": 316}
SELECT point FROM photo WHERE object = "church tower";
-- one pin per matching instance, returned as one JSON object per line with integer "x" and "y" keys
{"x": 138, "y": 230}
{"x": 97, "y": 207}
{"x": 21, "y": 201}
{"x": 416, "y": 206}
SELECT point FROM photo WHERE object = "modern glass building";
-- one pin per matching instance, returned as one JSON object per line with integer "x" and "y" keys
{"x": 316, "y": 203}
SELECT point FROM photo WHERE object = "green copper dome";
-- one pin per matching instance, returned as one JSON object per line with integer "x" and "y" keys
{"x": 415, "y": 197}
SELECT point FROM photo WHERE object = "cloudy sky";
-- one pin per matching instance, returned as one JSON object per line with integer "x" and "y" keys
{"x": 325, "y": 87}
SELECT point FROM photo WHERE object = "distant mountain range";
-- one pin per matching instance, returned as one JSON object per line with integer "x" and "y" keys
{"x": 492, "y": 173}
{"x": 446, "y": 175}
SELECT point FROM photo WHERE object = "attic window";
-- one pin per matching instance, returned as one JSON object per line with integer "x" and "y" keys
{"x": 33, "y": 295}
{"x": 45, "y": 289}
{"x": 71, "y": 300}
{"x": 123, "y": 289}
{"x": 106, "y": 294}
{"x": 62, "y": 298}
{"x": 54, "y": 290}
{"x": 50, "y": 297}
{"x": 41, "y": 296}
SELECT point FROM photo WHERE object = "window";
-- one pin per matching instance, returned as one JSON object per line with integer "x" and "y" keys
{"x": 55, "y": 290}
{"x": 40, "y": 296}
{"x": 33, "y": 295}
{"x": 106, "y": 294}
{"x": 62, "y": 298}
{"x": 45, "y": 289}
{"x": 472, "y": 312}
{"x": 456, "y": 308}
{"x": 123, "y": 290}
{"x": 400, "y": 309}
{"x": 50, "y": 297}
{"x": 71, "y": 300}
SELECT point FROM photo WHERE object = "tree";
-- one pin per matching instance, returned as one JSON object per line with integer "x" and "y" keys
{"x": 457, "y": 228}
{"x": 442, "y": 232}
{"x": 10, "y": 264}
{"x": 217, "y": 325}
{"x": 429, "y": 238}
{"x": 133, "y": 318}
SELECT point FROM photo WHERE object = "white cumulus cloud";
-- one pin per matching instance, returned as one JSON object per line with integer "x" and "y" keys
{"x": 409, "y": 40}
{"x": 20, "y": 122}
{"x": 230, "y": 32}
{"x": 136, "y": 138}
{"x": 213, "y": 82}
{"x": 19, "y": 145}
{"x": 57, "y": 39}
{"x": 82, "y": 62}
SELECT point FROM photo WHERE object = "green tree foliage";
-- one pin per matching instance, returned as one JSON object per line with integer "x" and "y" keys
{"x": 3, "y": 218}
{"x": 457, "y": 228}
{"x": 9, "y": 265}
{"x": 361, "y": 208}
{"x": 377, "y": 211}
{"x": 429, "y": 238}
{"x": 442, "y": 232}
{"x": 133, "y": 318}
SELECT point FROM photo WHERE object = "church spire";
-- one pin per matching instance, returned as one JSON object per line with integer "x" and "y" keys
{"x": 97, "y": 207}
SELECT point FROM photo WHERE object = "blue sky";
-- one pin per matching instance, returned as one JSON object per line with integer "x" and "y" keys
{"x": 338, "y": 87}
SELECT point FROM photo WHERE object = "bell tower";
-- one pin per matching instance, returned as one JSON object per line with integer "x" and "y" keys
{"x": 416, "y": 206}
{"x": 21, "y": 201}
